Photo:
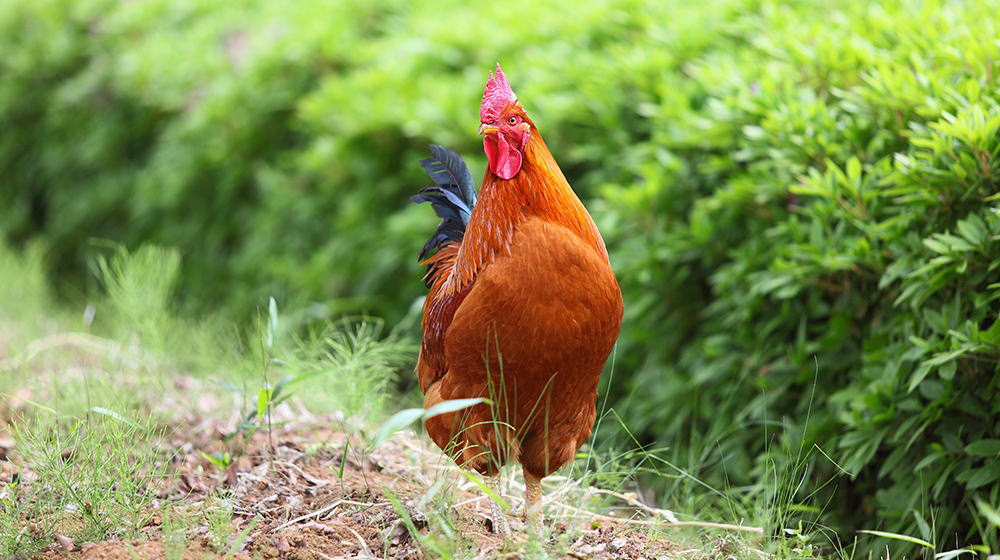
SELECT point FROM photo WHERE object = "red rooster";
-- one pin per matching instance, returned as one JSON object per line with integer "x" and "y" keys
{"x": 523, "y": 306}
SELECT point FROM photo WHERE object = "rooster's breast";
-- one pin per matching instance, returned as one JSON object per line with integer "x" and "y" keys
{"x": 538, "y": 325}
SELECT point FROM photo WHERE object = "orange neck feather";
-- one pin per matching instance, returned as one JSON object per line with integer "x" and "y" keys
{"x": 539, "y": 190}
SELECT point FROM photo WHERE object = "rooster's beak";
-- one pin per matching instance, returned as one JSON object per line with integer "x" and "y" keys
{"x": 487, "y": 129}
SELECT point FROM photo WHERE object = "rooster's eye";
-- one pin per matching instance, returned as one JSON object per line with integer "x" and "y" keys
{"x": 512, "y": 120}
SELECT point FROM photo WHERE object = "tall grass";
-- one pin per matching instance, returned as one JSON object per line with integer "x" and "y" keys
{"x": 24, "y": 293}
{"x": 91, "y": 399}
{"x": 99, "y": 472}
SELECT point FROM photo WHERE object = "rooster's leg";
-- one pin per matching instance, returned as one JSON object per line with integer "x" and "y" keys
{"x": 532, "y": 501}
{"x": 497, "y": 515}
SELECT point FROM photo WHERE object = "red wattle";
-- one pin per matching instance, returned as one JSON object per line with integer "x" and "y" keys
{"x": 504, "y": 159}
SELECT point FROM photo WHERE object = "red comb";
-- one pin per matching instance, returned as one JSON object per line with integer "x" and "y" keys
{"x": 496, "y": 96}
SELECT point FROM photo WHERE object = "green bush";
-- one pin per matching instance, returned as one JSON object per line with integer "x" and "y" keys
{"x": 800, "y": 201}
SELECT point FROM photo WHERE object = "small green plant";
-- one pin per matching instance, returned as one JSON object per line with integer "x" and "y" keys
{"x": 241, "y": 539}
{"x": 99, "y": 472}
{"x": 260, "y": 406}
{"x": 25, "y": 526}
{"x": 218, "y": 515}
{"x": 139, "y": 287}
{"x": 23, "y": 285}
{"x": 431, "y": 522}
{"x": 174, "y": 525}
{"x": 352, "y": 363}
{"x": 221, "y": 459}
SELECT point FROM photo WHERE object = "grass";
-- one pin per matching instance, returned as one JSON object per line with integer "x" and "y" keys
{"x": 94, "y": 418}
{"x": 128, "y": 422}
{"x": 98, "y": 473}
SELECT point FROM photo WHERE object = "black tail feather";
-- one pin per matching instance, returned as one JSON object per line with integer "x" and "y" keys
{"x": 453, "y": 197}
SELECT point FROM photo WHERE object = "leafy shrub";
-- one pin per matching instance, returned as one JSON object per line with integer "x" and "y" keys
{"x": 800, "y": 200}
{"x": 834, "y": 278}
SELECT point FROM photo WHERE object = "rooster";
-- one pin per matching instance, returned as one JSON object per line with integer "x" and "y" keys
{"x": 523, "y": 307}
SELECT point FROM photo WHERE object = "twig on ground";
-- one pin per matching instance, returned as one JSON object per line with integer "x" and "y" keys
{"x": 365, "y": 504}
{"x": 665, "y": 513}
{"x": 311, "y": 479}
{"x": 470, "y": 500}
{"x": 310, "y": 515}
{"x": 364, "y": 546}
{"x": 653, "y": 522}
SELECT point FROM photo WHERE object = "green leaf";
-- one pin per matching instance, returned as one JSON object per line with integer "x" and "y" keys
{"x": 395, "y": 423}
{"x": 282, "y": 383}
{"x": 241, "y": 538}
{"x": 898, "y": 537}
{"x": 854, "y": 169}
{"x": 983, "y": 476}
{"x": 219, "y": 459}
{"x": 948, "y": 555}
{"x": 32, "y": 403}
{"x": 493, "y": 494}
{"x": 936, "y": 246}
{"x": 925, "y": 528}
{"x": 405, "y": 417}
{"x": 930, "y": 458}
{"x": 947, "y": 370}
{"x": 918, "y": 376}
{"x": 225, "y": 385}
{"x": 935, "y": 320}
{"x": 991, "y": 335}
{"x": 991, "y": 513}
{"x": 343, "y": 459}
{"x": 112, "y": 414}
{"x": 453, "y": 405}
{"x": 972, "y": 229}
{"x": 403, "y": 515}
{"x": 263, "y": 401}
{"x": 944, "y": 357}
{"x": 983, "y": 447}
{"x": 306, "y": 376}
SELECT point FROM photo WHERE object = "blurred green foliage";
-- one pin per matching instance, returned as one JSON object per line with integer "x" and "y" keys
{"x": 800, "y": 200}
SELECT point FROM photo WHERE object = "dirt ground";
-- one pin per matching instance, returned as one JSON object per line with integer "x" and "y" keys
{"x": 305, "y": 489}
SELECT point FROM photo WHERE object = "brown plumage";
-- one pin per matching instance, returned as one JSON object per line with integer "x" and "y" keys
{"x": 523, "y": 310}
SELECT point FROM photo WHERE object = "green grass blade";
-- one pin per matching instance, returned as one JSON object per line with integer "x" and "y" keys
{"x": 898, "y": 537}
{"x": 113, "y": 414}
{"x": 395, "y": 423}
{"x": 242, "y": 538}
{"x": 453, "y": 405}
{"x": 32, "y": 403}
{"x": 487, "y": 490}
{"x": 343, "y": 459}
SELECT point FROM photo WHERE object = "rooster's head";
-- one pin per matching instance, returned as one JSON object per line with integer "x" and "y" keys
{"x": 505, "y": 129}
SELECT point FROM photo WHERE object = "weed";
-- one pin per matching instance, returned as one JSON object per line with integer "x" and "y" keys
{"x": 100, "y": 471}
{"x": 175, "y": 527}
{"x": 139, "y": 286}
{"x": 25, "y": 527}
{"x": 218, "y": 515}
{"x": 351, "y": 365}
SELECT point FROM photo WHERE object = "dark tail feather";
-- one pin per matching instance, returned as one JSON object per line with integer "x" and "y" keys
{"x": 453, "y": 196}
